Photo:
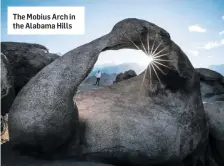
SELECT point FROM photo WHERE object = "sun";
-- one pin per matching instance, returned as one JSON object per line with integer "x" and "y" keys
{"x": 155, "y": 56}
{"x": 150, "y": 59}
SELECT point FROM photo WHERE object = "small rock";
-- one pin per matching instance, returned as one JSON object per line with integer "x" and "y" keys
{"x": 126, "y": 75}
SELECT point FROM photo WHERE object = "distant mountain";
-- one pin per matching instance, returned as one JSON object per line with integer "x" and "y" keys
{"x": 218, "y": 68}
{"x": 116, "y": 69}
{"x": 109, "y": 73}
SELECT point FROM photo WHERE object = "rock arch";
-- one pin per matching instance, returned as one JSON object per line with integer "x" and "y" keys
{"x": 43, "y": 116}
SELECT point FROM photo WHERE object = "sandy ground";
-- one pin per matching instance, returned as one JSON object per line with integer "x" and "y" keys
{"x": 84, "y": 87}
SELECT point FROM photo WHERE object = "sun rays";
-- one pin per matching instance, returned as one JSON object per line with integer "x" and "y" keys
{"x": 157, "y": 56}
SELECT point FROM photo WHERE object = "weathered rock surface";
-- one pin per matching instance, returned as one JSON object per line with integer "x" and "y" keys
{"x": 215, "y": 114}
{"x": 7, "y": 85}
{"x": 163, "y": 125}
{"x": 14, "y": 158}
{"x": 133, "y": 126}
{"x": 26, "y": 60}
{"x": 124, "y": 76}
{"x": 212, "y": 85}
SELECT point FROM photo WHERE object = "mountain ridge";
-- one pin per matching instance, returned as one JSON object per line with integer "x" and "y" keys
{"x": 217, "y": 68}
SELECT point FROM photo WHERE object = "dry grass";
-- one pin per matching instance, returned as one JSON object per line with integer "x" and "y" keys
{"x": 5, "y": 134}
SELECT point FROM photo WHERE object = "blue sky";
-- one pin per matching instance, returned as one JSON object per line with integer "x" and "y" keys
{"x": 197, "y": 26}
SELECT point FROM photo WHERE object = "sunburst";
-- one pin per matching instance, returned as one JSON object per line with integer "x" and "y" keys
{"x": 155, "y": 55}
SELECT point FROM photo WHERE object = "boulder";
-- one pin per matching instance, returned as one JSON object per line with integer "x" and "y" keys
{"x": 119, "y": 77}
{"x": 129, "y": 74}
{"x": 128, "y": 126}
{"x": 7, "y": 85}
{"x": 212, "y": 85}
{"x": 154, "y": 118}
{"x": 215, "y": 115}
{"x": 124, "y": 76}
{"x": 26, "y": 60}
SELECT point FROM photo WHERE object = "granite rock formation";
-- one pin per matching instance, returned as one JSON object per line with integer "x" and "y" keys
{"x": 26, "y": 60}
{"x": 215, "y": 114}
{"x": 154, "y": 118}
